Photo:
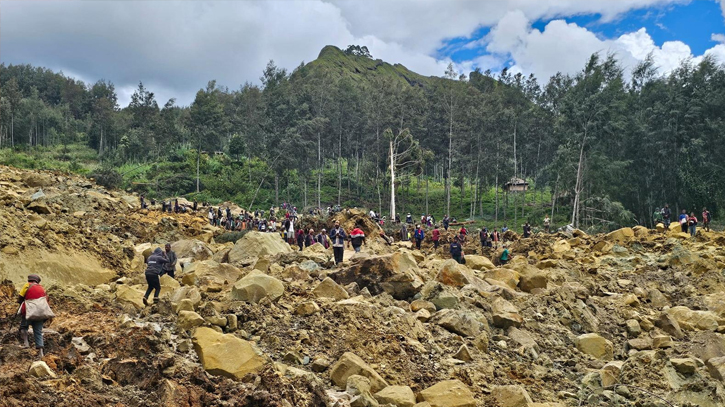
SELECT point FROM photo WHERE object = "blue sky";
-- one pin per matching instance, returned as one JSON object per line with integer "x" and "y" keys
{"x": 692, "y": 23}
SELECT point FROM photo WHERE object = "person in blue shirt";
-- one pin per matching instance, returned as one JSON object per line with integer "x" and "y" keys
{"x": 683, "y": 221}
{"x": 418, "y": 235}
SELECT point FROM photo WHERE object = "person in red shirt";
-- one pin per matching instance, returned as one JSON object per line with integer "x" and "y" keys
{"x": 462, "y": 234}
{"x": 436, "y": 234}
{"x": 34, "y": 291}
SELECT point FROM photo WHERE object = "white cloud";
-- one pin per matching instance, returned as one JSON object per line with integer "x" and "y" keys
{"x": 565, "y": 47}
{"x": 718, "y": 37}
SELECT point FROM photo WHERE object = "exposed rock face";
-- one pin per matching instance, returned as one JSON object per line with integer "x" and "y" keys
{"x": 226, "y": 355}
{"x": 395, "y": 274}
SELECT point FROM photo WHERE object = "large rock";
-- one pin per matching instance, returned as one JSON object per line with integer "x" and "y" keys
{"x": 507, "y": 276}
{"x": 694, "y": 320}
{"x": 258, "y": 244}
{"x": 459, "y": 322}
{"x": 189, "y": 320}
{"x": 455, "y": 275}
{"x": 479, "y": 262}
{"x": 448, "y": 393}
{"x": 399, "y": 396}
{"x": 511, "y": 396}
{"x": 561, "y": 246}
{"x": 395, "y": 274}
{"x": 226, "y": 355}
{"x": 505, "y": 314}
{"x": 186, "y": 293}
{"x": 208, "y": 272}
{"x": 596, "y": 346}
{"x": 41, "y": 370}
{"x": 130, "y": 295}
{"x": 191, "y": 248}
{"x": 328, "y": 288}
{"x": 256, "y": 286}
{"x": 66, "y": 267}
{"x": 37, "y": 179}
{"x": 620, "y": 235}
{"x": 350, "y": 364}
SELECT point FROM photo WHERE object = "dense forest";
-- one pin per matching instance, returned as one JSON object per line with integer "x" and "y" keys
{"x": 601, "y": 148}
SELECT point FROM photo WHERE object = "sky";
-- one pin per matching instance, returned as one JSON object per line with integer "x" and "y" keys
{"x": 176, "y": 47}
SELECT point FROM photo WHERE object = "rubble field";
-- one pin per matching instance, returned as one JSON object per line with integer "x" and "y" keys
{"x": 635, "y": 317}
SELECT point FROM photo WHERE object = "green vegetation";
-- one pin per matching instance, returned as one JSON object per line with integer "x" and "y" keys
{"x": 604, "y": 148}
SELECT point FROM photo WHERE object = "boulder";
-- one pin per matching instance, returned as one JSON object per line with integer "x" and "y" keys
{"x": 37, "y": 179}
{"x": 459, "y": 322}
{"x": 640, "y": 231}
{"x": 328, "y": 288}
{"x": 41, "y": 370}
{"x": 187, "y": 292}
{"x": 620, "y": 235}
{"x": 395, "y": 274}
{"x": 207, "y": 272}
{"x": 357, "y": 384}
{"x": 399, "y": 396}
{"x": 511, "y": 396}
{"x": 448, "y": 393}
{"x": 479, "y": 262}
{"x": 690, "y": 320}
{"x": 685, "y": 366}
{"x": 418, "y": 305}
{"x": 40, "y": 207}
{"x": 669, "y": 324}
{"x": 257, "y": 244}
{"x": 505, "y": 314}
{"x": 610, "y": 373}
{"x": 596, "y": 346}
{"x": 307, "y": 308}
{"x": 63, "y": 267}
{"x": 561, "y": 246}
{"x": 507, "y": 276}
{"x": 189, "y": 320}
{"x": 191, "y": 248}
{"x": 716, "y": 367}
{"x": 226, "y": 355}
{"x": 130, "y": 295}
{"x": 256, "y": 286}
{"x": 350, "y": 364}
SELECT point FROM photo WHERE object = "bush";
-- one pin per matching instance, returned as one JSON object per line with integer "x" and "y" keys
{"x": 107, "y": 177}
{"x": 230, "y": 236}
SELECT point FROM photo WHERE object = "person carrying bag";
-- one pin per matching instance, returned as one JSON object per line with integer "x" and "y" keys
{"x": 34, "y": 311}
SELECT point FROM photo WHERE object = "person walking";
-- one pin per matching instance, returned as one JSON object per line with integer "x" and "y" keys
{"x": 666, "y": 217}
{"x": 656, "y": 217}
{"x": 692, "y": 224}
{"x": 301, "y": 238}
{"x": 504, "y": 256}
{"x": 338, "y": 236}
{"x": 33, "y": 291}
{"x": 683, "y": 221}
{"x": 404, "y": 232}
{"x": 154, "y": 270}
{"x": 706, "y": 218}
{"x": 457, "y": 251}
{"x": 547, "y": 223}
{"x": 527, "y": 230}
{"x": 357, "y": 238}
{"x": 419, "y": 235}
{"x": 170, "y": 267}
{"x": 446, "y": 222}
{"x": 495, "y": 237}
{"x": 435, "y": 235}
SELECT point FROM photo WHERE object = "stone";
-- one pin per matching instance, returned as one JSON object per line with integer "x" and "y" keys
{"x": 448, "y": 393}
{"x": 320, "y": 364}
{"x": 41, "y": 370}
{"x": 610, "y": 373}
{"x": 255, "y": 286}
{"x": 661, "y": 341}
{"x": 521, "y": 337}
{"x": 225, "y": 354}
{"x": 643, "y": 343}
{"x": 533, "y": 280}
{"x": 669, "y": 324}
{"x": 130, "y": 295}
{"x": 357, "y": 384}
{"x": 350, "y": 364}
{"x": 423, "y": 315}
{"x": 561, "y": 246}
{"x": 307, "y": 308}
{"x": 707, "y": 345}
{"x": 716, "y": 367}
{"x": 511, "y": 396}
{"x": 453, "y": 274}
{"x": 40, "y": 207}
{"x": 595, "y": 345}
{"x": 395, "y": 274}
{"x": 463, "y": 354}
{"x": 328, "y": 288}
{"x": 190, "y": 293}
{"x": 191, "y": 248}
{"x": 399, "y": 396}
{"x": 507, "y": 276}
{"x": 458, "y": 322}
{"x": 232, "y": 322}
{"x": 622, "y": 235}
{"x": 694, "y": 320}
{"x": 505, "y": 314}
{"x": 188, "y": 320}
{"x": 257, "y": 244}
{"x": 480, "y": 263}
{"x": 363, "y": 400}
{"x": 37, "y": 179}
{"x": 684, "y": 366}
{"x": 633, "y": 328}
{"x": 207, "y": 272}
{"x": 221, "y": 322}
{"x": 184, "y": 305}
{"x": 418, "y": 305}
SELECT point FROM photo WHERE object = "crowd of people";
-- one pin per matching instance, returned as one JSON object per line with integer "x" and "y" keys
{"x": 688, "y": 223}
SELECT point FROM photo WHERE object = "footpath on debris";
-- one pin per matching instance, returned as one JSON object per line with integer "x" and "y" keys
{"x": 635, "y": 317}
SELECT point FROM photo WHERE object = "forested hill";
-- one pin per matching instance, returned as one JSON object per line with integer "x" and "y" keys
{"x": 602, "y": 148}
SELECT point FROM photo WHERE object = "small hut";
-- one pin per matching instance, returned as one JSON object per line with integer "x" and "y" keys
{"x": 516, "y": 185}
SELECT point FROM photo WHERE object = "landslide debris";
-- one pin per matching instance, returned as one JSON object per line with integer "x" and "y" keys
{"x": 572, "y": 319}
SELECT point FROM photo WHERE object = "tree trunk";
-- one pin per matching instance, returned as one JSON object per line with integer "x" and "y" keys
{"x": 426, "y": 195}
{"x": 276, "y": 188}
{"x": 392, "y": 182}
{"x": 198, "y": 162}
{"x": 450, "y": 161}
{"x": 578, "y": 187}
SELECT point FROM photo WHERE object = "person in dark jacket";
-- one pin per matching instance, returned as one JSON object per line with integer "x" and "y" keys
{"x": 310, "y": 238}
{"x": 419, "y": 235}
{"x": 457, "y": 250}
{"x": 301, "y": 238}
{"x": 154, "y": 270}
{"x": 170, "y": 267}
{"x": 338, "y": 237}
